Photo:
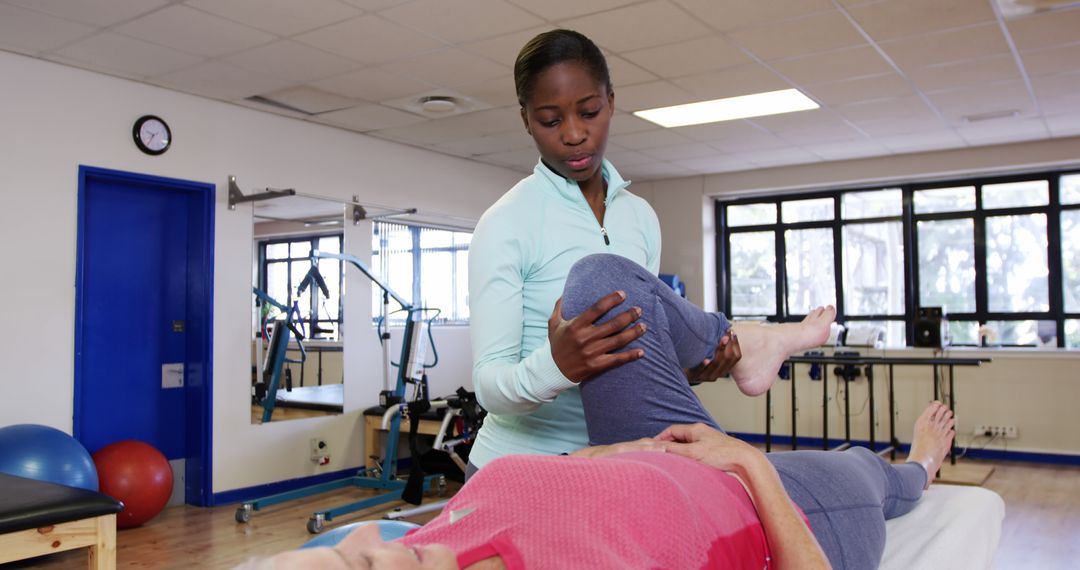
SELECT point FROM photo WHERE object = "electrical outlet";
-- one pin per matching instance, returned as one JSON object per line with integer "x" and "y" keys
{"x": 1004, "y": 432}
{"x": 320, "y": 451}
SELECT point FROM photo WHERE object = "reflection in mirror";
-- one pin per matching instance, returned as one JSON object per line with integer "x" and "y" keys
{"x": 297, "y": 366}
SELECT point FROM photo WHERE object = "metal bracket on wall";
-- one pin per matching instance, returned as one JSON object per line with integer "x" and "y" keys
{"x": 238, "y": 197}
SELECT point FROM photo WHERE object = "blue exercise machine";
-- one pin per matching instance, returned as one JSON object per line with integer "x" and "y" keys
{"x": 411, "y": 369}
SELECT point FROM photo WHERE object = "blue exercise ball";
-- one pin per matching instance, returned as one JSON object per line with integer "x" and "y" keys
{"x": 46, "y": 454}
{"x": 388, "y": 530}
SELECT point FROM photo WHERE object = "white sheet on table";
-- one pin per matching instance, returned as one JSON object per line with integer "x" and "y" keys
{"x": 953, "y": 526}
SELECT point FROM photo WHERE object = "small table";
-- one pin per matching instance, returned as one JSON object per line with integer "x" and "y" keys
{"x": 430, "y": 423}
{"x": 39, "y": 518}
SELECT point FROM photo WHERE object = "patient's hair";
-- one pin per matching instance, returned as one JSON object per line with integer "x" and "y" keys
{"x": 552, "y": 48}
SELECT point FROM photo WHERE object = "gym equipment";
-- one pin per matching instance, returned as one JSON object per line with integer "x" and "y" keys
{"x": 410, "y": 373}
{"x": 136, "y": 474}
{"x": 282, "y": 332}
{"x": 388, "y": 530}
{"x": 46, "y": 454}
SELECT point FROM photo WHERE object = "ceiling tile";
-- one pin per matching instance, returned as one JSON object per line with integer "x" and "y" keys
{"x": 820, "y": 32}
{"x": 369, "y": 39}
{"x": 962, "y": 74}
{"x": 799, "y": 120}
{"x": 650, "y": 95}
{"x": 837, "y": 65}
{"x": 497, "y": 92}
{"x": 282, "y": 17}
{"x": 624, "y": 158}
{"x": 521, "y": 159}
{"x": 907, "y": 108}
{"x": 888, "y": 126}
{"x": 921, "y": 141}
{"x": 462, "y": 20}
{"x": 1058, "y": 93}
{"x": 504, "y": 49}
{"x": 489, "y": 122}
{"x": 639, "y": 26}
{"x": 975, "y": 42}
{"x": 451, "y": 68}
{"x": 1046, "y": 29}
{"x": 128, "y": 56}
{"x": 368, "y": 118}
{"x": 680, "y": 151}
{"x": 657, "y": 171}
{"x": 625, "y": 123}
{"x": 293, "y": 61}
{"x": 690, "y": 57}
{"x": 899, "y": 18}
{"x": 372, "y": 84}
{"x": 1052, "y": 60}
{"x": 1065, "y": 125}
{"x": 735, "y": 14}
{"x": 845, "y": 150}
{"x": 734, "y": 136}
{"x": 649, "y": 139}
{"x": 731, "y": 82}
{"x": 870, "y": 88}
{"x": 190, "y": 30}
{"x": 986, "y": 98}
{"x": 562, "y": 9}
{"x": 221, "y": 81}
{"x": 716, "y": 164}
{"x": 373, "y": 5}
{"x": 839, "y": 132}
{"x": 624, "y": 73}
{"x": 310, "y": 100}
{"x": 488, "y": 144}
{"x": 95, "y": 12}
{"x": 1003, "y": 131}
{"x": 29, "y": 31}
{"x": 778, "y": 157}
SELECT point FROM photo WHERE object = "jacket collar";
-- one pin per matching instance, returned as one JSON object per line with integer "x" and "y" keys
{"x": 569, "y": 189}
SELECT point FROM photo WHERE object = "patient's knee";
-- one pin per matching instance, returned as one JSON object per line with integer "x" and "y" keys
{"x": 600, "y": 274}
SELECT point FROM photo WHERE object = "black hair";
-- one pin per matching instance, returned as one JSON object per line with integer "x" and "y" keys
{"x": 552, "y": 48}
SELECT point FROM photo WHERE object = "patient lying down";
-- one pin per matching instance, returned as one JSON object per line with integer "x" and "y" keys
{"x": 662, "y": 486}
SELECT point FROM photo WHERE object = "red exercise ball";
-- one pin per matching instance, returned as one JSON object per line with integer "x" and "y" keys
{"x": 137, "y": 475}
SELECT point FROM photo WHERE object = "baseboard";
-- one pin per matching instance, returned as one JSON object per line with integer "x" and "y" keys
{"x": 267, "y": 489}
{"x": 805, "y": 442}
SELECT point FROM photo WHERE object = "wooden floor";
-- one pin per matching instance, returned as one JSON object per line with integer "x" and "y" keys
{"x": 1042, "y": 527}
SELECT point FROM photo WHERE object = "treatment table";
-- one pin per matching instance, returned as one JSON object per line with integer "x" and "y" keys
{"x": 39, "y": 518}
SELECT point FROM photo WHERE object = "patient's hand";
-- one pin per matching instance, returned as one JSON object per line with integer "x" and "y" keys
{"x": 643, "y": 444}
{"x": 727, "y": 354}
{"x": 711, "y": 447}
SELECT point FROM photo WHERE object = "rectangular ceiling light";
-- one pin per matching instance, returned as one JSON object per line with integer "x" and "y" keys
{"x": 755, "y": 105}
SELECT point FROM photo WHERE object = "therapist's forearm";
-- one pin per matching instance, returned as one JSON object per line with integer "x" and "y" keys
{"x": 791, "y": 543}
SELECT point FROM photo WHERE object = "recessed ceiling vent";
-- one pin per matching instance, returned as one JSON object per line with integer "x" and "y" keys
{"x": 1018, "y": 8}
{"x": 438, "y": 104}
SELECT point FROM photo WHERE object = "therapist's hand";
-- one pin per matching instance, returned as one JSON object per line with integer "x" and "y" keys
{"x": 582, "y": 349}
{"x": 727, "y": 353}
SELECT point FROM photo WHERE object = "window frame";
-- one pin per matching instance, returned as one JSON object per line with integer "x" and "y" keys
{"x": 909, "y": 219}
{"x": 312, "y": 240}
{"x": 416, "y": 252}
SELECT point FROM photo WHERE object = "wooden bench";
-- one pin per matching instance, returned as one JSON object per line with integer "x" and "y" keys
{"x": 39, "y": 518}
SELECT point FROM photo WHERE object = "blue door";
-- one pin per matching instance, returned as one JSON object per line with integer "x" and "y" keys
{"x": 143, "y": 298}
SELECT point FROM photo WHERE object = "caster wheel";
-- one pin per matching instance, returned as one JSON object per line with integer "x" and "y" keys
{"x": 243, "y": 513}
{"x": 315, "y": 524}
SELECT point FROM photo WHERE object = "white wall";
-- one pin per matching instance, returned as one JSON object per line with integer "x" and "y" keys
{"x": 1025, "y": 388}
{"x": 55, "y": 118}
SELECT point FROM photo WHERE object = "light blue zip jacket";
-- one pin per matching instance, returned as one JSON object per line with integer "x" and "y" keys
{"x": 520, "y": 255}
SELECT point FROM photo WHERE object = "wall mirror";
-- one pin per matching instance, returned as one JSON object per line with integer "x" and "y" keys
{"x": 297, "y": 329}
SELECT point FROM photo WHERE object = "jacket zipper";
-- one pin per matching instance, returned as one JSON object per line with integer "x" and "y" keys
{"x": 604, "y": 232}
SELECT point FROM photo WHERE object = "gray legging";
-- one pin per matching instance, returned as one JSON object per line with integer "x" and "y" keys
{"x": 847, "y": 496}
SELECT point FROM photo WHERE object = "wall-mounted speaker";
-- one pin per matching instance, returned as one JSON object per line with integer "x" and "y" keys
{"x": 931, "y": 328}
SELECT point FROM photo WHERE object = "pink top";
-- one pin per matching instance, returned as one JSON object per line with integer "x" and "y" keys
{"x": 643, "y": 510}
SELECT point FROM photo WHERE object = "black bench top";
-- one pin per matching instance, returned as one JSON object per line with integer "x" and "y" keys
{"x": 28, "y": 503}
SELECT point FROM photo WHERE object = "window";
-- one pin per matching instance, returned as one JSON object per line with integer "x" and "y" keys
{"x": 1002, "y": 253}
{"x": 428, "y": 267}
{"x": 283, "y": 265}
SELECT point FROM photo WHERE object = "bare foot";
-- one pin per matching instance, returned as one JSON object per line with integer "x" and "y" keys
{"x": 765, "y": 347}
{"x": 932, "y": 438}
